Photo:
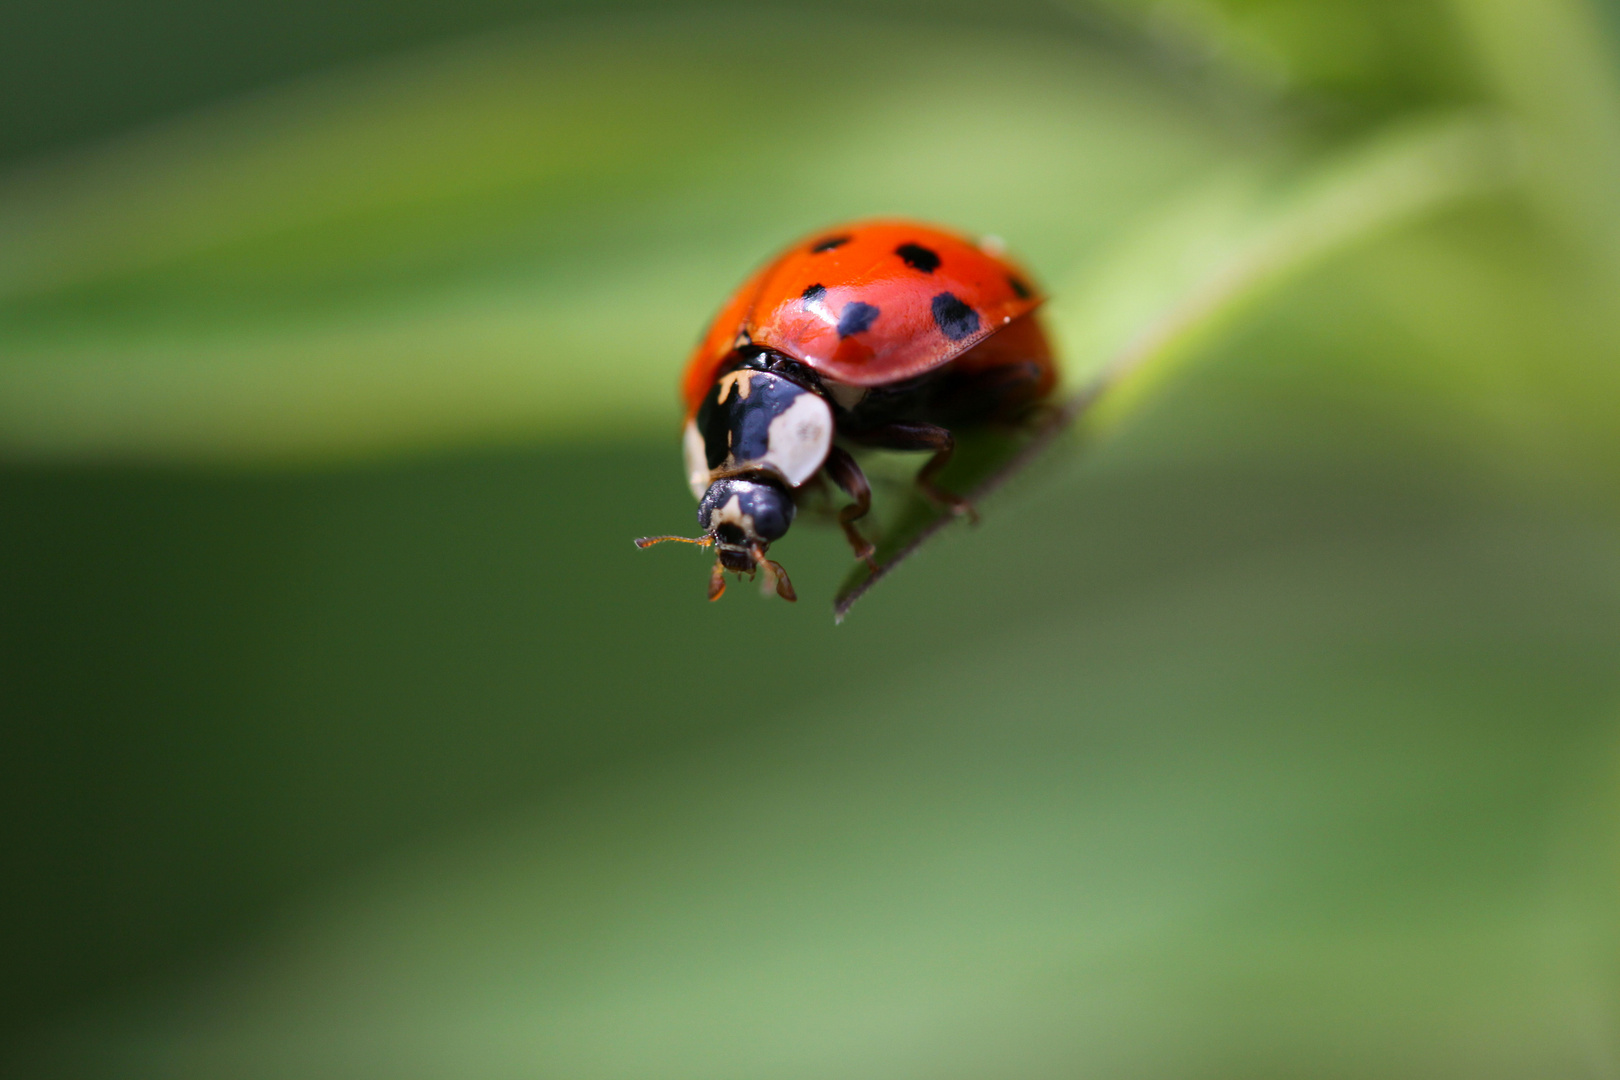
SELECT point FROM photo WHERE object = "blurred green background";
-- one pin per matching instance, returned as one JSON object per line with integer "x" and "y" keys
{"x": 1270, "y": 731}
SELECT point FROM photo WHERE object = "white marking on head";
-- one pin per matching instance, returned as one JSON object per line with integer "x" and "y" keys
{"x": 742, "y": 379}
{"x": 731, "y": 514}
{"x": 797, "y": 442}
{"x": 697, "y": 459}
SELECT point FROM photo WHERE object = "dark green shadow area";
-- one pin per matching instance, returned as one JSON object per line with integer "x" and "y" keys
{"x": 227, "y": 692}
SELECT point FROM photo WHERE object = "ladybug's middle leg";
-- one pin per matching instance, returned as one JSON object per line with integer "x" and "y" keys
{"x": 917, "y": 436}
{"x": 847, "y": 474}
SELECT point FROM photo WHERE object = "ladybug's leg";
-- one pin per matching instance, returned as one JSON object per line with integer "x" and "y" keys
{"x": 776, "y": 577}
{"x": 915, "y": 436}
{"x": 852, "y": 481}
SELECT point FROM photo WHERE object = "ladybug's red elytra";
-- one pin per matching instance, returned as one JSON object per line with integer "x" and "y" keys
{"x": 884, "y": 334}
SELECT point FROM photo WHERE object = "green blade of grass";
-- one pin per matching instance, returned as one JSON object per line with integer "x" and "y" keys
{"x": 1140, "y": 314}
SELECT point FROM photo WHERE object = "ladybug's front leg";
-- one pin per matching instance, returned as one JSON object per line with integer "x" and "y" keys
{"x": 916, "y": 436}
{"x": 847, "y": 474}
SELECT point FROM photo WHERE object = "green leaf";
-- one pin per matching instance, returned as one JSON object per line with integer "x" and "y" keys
{"x": 1194, "y": 269}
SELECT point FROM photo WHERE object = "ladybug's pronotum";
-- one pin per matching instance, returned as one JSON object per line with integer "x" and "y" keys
{"x": 884, "y": 334}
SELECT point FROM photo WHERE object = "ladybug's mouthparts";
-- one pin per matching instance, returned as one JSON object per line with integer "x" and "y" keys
{"x": 738, "y": 558}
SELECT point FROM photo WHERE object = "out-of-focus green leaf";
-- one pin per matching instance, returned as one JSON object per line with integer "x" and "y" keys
{"x": 1554, "y": 69}
{"x": 520, "y": 238}
{"x": 1222, "y": 776}
{"x": 1204, "y": 264}
{"x": 1352, "y": 61}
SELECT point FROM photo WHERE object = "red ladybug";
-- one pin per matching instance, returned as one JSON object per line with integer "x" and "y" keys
{"x": 886, "y": 334}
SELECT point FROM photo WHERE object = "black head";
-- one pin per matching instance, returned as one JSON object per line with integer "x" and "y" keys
{"x": 740, "y": 518}
{"x": 744, "y": 516}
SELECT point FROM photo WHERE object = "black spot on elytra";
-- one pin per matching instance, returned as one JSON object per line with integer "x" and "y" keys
{"x": 918, "y": 257}
{"x": 857, "y": 317}
{"x": 955, "y": 319}
{"x": 1020, "y": 286}
{"x": 828, "y": 243}
{"x": 812, "y": 295}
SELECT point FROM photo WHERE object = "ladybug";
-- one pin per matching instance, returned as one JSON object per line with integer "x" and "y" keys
{"x": 883, "y": 334}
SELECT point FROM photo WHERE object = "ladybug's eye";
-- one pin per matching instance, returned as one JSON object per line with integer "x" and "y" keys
{"x": 794, "y": 370}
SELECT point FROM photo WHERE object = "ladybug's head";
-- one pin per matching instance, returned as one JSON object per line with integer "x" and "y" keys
{"x": 756, "y": 435}
{"x": 744, "y": 516}
{"x": 740, "y": 517}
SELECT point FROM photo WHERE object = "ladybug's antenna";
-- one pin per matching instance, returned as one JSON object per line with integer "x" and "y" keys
{"x": 649, "y": 541}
